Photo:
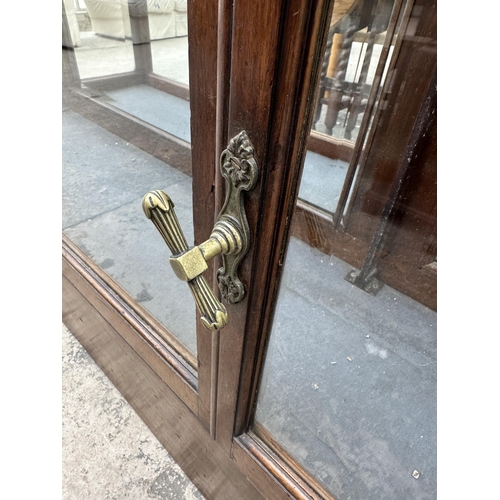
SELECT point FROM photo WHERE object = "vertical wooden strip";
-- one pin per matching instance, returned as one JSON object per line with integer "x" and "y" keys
{"x": 302, "y": 48}
{"x": 202, "y": 39}
{"x": 221, "y": 138}
{"x": 223, "y": 86}
{"x": 214, "y": 382}
{"x": 255, "y": 28}
{"x": 276, "y": 58}
{"x": 139, "y": 26}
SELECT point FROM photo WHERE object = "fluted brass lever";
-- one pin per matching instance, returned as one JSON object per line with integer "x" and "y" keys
{"x": 230, "y": 236}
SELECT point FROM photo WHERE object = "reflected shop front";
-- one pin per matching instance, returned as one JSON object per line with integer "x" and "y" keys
{"x": 323, "y": 383}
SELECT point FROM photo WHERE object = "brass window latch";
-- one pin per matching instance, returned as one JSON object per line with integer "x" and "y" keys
{"x": 230, "y": 236}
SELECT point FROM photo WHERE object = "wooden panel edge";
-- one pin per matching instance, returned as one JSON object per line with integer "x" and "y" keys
{"x": 155, "y": 141}
{"x": 264, "y": 438}
{"x": 251, "y": 454}
{"x": 140, "y": 336}
{"x": 168, "y": 86}
{"x": 335, "y": 149}
{"x": 112, "y": 82}
{"x": 314, "y": 227}
{"x": 175, "y": 426}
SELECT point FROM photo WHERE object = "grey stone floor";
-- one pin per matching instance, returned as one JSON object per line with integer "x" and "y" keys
{"x": 108, "y": 452}
{"x": 168, "y": 113}
{"x": 104, "y": 180}
{"x": 361, "y": 412}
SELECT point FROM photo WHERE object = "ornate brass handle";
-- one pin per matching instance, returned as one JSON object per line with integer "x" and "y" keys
{"x": 230, "y": 236}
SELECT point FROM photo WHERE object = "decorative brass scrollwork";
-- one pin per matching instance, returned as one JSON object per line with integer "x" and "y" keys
{"x": 230, "y": 236}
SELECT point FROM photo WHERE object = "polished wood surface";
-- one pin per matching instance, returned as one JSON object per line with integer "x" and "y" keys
{"x": 202, "y": 46}
{"x": 278, "y": 125}
{"x": 263, "y": 440}
{"x": 249, "y": 448}
{"x": 172, "y": 422}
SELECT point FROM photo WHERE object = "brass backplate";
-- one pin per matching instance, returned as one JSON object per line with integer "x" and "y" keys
{"x": 239, "y": 167}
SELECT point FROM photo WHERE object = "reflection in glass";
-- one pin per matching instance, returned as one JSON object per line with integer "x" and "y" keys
{"x": 169, "y": 43}
{"x": 357, "y": 34}
{"x": 102, "y": 36}
{"x": 170, "y": 59}
{"x": 348, "y": 388}
{"x": 349, "y": 383}
{"x": 142, "y": 46}
{"x": 353, "y": 71}
{"x": 322, "y": 181}
{"x": 112, "y": 128}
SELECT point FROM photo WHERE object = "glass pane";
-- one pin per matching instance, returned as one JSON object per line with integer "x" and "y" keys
{"x": 115, "y": 151}
{"x": 102, "y": 36}
{"x": 348, "y": 389}
{"x": 359, "y": 49}
{"x": 169, "y": 43}
{"x": 170, "y": 59}
{"x": 349, "y": 383}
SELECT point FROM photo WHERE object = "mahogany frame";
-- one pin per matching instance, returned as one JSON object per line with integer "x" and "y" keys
{"x": 194, "y": 418}
{"x": 205, "y": 422}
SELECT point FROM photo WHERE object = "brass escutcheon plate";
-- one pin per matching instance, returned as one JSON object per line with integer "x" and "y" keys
{"x": 239, "y": 167}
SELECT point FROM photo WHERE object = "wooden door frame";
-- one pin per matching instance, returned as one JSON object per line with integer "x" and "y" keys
{"x": 123, "y": 339}
{"x": 416, "y": 280}
{"x": 205, "y": 422}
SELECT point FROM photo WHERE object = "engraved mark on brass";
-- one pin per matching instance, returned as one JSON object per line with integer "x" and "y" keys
{"x": 230, "y": 236}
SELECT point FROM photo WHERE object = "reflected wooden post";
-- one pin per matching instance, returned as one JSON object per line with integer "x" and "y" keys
{"x": 356, "y": 106}
{"x": 70, "y": 74}
{"x": 141, "y": 39}
{"x": 336, "y": 100}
